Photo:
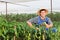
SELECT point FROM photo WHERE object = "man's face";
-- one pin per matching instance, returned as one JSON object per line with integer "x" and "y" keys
{"x": 43, "y": 14}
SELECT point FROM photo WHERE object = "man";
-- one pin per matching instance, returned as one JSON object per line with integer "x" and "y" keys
{"x": 40, "y": 19}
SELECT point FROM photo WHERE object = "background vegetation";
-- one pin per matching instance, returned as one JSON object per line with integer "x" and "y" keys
{"x": 14, "y": 27}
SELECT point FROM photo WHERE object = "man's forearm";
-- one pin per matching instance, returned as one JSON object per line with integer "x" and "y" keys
{"x": 48, "y": 26}
{"x": 30, "y": 24}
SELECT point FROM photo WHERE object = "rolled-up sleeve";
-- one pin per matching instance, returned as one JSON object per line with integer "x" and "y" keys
{"x": 49, "y": 21}
{"x": 33, "y": 20}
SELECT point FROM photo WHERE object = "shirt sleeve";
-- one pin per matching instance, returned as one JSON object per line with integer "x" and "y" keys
{"x": 33, "y": 20}
{"x": 49, "y": 21}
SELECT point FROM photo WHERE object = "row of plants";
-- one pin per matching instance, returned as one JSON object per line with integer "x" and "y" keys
{"x": 24, "y": 17}
{"x": 15, "y": 30}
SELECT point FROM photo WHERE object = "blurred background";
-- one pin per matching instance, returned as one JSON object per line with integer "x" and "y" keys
{"x": 15, "y": 13}
{"x": 28, "y": 6}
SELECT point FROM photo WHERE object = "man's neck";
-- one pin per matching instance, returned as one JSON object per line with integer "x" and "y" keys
{"x": 42, "y": 17}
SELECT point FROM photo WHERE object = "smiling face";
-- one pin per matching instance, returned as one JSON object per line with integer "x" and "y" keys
{"x": 43, "y": 13}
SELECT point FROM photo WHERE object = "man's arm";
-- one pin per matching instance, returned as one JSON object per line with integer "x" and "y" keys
{"x": 50, "y": 24}
{"x": 32, "y": 21}
{"x": 29, "y": 23}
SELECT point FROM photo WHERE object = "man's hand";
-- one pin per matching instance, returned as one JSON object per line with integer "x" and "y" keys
{"x": 30, "y": 24}
{"x": 48, "y": 25}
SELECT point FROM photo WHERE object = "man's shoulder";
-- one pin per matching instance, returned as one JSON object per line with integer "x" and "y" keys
{"x": 47, "y": 18}
{"x": 33, "y": 19}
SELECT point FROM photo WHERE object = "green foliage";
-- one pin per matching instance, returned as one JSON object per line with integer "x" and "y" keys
{"x": 54, "y": 17}
{"x": 15, "y": 25}
{"x": 24, "y": 32}
{"x": 19, "y": 17}
{"x": 25, "y": 17}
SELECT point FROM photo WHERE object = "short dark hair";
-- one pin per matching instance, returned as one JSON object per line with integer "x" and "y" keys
{"x": 43, "y": 10}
